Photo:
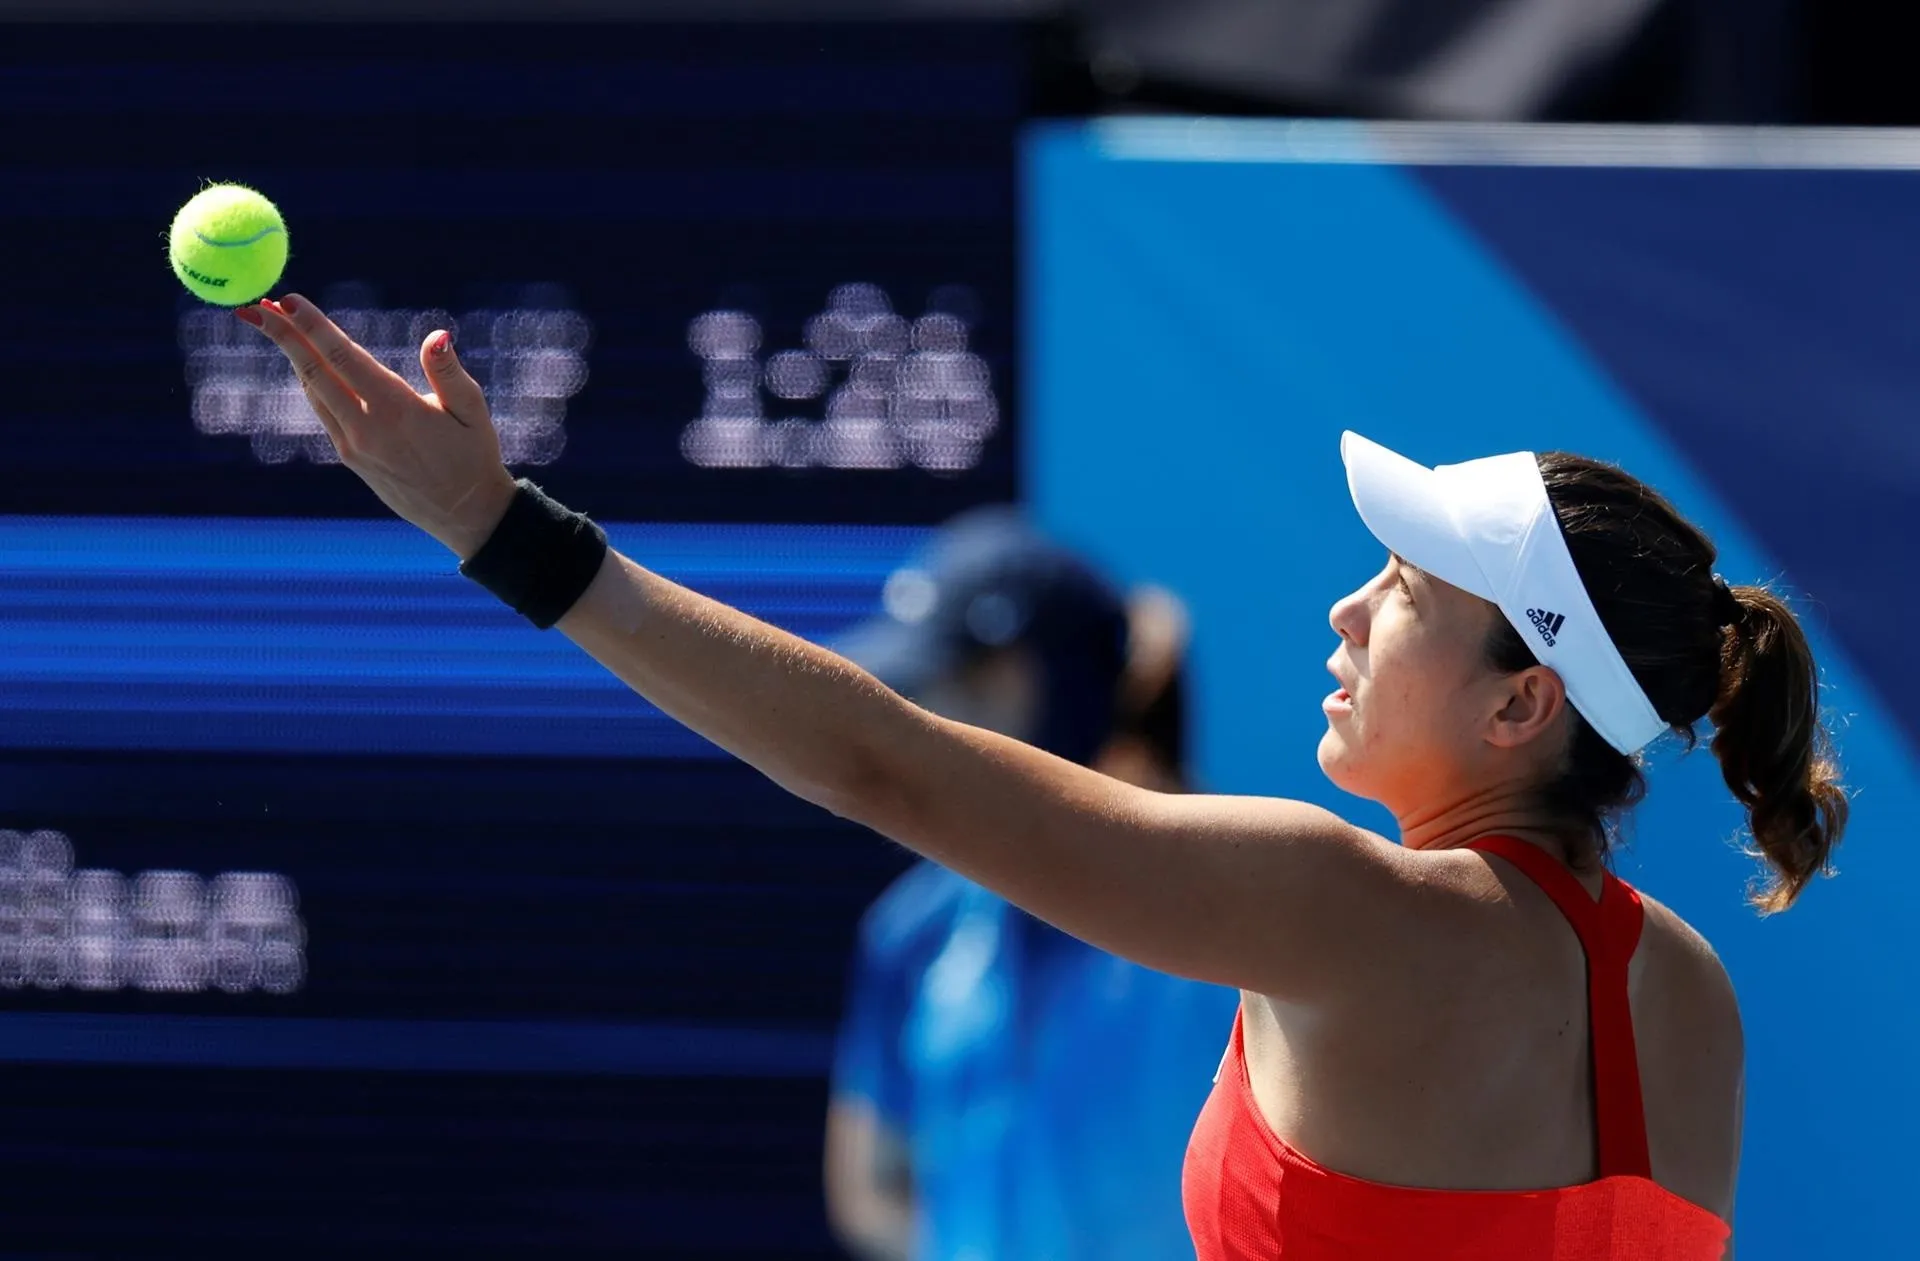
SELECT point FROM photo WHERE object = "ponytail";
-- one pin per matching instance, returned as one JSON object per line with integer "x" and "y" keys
{"x": 1699, "y": 649}
{"x": 1772, "y": 748}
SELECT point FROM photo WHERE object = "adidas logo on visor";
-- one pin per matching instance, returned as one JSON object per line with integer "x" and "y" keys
{"x": 1548, "y": 624}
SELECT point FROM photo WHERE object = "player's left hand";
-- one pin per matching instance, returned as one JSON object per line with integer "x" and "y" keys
{"x": 433, "y": 458}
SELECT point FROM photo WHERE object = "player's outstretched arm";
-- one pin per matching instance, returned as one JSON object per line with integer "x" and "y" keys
{"x": 1274, "y": 896}
{"x": 1239, "y": 891}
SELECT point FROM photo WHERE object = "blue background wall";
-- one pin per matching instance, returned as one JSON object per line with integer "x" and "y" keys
{"x": 1201, "y": 330}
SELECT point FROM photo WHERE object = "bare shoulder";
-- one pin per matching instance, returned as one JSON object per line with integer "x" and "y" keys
{"x": 1692, "y": 1059}
{"x": 1682, "y": 982}
{"x": 1295, "y": 830}
{"x": 1314, "y": 904}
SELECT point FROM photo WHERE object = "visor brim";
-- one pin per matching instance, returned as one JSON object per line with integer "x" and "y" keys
{"x": 1405, "y": 506}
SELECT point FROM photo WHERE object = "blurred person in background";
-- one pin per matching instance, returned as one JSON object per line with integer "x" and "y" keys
{"x": 1002, "y": 1090}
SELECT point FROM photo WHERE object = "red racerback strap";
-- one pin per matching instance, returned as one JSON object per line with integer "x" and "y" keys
{"x": 1609, "y": 930}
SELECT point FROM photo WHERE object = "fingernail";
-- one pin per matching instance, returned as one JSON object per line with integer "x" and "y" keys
{"x": 290, "y": 304}
{"x": 250, "y": 316}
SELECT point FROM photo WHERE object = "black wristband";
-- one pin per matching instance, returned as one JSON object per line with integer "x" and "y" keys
{"x": 541, "y": 558}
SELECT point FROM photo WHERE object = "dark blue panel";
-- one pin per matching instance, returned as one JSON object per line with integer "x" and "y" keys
{"x": 1766, "y": 321}
{"x": 417, "y": 1046}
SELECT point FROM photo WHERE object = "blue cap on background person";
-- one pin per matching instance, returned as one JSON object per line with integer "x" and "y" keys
{"x": 989, "y": 583}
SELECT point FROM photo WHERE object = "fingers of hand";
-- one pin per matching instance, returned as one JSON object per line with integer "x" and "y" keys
{"x": 436, "y": 355}
{"x": 333, "y": 400}
{"x": 368, "y": 377}
{"x": 328, "y": 422}
{"x": 460, "y": 396}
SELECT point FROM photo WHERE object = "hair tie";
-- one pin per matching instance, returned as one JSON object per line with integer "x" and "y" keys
{"x": 1727, "y": 609}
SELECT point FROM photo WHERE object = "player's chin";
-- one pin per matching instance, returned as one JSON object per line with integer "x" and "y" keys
{"x": 1334, "y": 756}
{"x": 1347, "y": 761}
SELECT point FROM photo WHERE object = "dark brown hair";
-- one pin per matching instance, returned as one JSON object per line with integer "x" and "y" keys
{"x": 1700, "y": 650}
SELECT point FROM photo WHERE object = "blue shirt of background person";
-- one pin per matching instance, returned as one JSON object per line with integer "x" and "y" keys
{"x": 1002, "y": 1091}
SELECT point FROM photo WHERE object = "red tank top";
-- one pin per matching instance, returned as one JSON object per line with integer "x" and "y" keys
{"x": 1251, "y": 1197}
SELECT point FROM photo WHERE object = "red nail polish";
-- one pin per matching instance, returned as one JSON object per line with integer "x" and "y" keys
{"x": 289, "y": 304}
{"x": 250, "y": 316}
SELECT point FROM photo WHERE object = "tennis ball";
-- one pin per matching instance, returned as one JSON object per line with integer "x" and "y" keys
{"x": 228, "y": 245}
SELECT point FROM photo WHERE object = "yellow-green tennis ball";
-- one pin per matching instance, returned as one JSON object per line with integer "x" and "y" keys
{"x": 228, "y": 245}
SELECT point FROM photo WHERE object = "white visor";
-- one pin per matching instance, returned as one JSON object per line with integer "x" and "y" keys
{"x": 1487, "y": 527}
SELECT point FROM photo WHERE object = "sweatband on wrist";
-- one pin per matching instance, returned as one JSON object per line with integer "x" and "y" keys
{"x": 541, "y": 558}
